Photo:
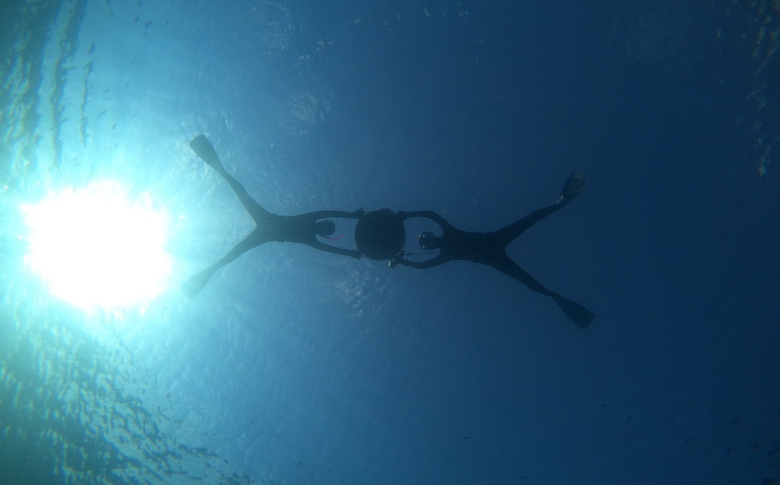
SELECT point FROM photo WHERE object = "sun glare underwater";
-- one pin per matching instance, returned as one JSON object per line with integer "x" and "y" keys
{"x": 97, "y": 247}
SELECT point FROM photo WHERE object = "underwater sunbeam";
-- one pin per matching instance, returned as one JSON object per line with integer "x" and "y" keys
{"x": 94, "y": 248}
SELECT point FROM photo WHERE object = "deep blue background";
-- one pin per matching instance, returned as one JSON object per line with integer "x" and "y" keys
{"x": 296, "y": 366}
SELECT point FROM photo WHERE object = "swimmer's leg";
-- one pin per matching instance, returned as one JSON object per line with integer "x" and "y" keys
{"x": 204, "y": 149}
{"x": 508, "y": 234}
{"x": 576, "y": 312}
{"x": 196, "y": 283}
{"x": 574, "y": 185}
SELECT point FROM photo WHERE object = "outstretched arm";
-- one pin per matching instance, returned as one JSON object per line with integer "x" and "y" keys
{"x": 428, "y": 215}
{"x": 430, "y": 263}
{"x": 332, "y": 249}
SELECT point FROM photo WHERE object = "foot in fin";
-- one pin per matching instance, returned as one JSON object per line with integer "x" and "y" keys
{"x": 576, "y": 312}
{"x": 574, "y": 185}
{"x": 196, "y": 283}
{"x": 205, "y": 150}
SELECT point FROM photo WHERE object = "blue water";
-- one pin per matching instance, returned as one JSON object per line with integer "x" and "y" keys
{"x": 299, "y": 366}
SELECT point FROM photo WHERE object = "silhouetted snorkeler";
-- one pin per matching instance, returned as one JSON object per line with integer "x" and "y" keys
{"x": 490, "y": 248}
{"x": 303, "y": 228}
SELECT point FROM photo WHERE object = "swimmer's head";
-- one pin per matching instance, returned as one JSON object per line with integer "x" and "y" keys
{"x": 324, "y": 228}
{"x": 429, "y": 241}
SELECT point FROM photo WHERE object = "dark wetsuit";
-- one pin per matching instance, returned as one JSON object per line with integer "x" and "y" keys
{"x": 299, "y": 229}
{"x": 483, "y": 248}
{"x": 490, "y": 249}
{"x": 269, "y": 227}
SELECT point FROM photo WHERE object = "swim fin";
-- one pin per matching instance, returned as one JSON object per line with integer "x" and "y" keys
{"x": 576, "y": 312}
{"x": 196, "y": 283}
{"x": 204, "y": 149}
{"x": 574, "y": 185}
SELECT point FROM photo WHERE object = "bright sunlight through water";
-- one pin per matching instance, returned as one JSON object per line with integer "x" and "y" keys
{"x": 96, "y": 248}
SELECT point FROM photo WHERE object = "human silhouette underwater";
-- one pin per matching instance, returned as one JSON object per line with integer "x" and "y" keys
{"x": 490, "y": 248}
{"x": 302, "y": 228}
{"x": 380, "y": 235}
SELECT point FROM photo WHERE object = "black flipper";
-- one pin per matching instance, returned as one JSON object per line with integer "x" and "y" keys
{"x": 204, "y": 149}
{"x": 574, "y": 185}
{"x": 196, "y": 283}
{"x": 576, "y": 312}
